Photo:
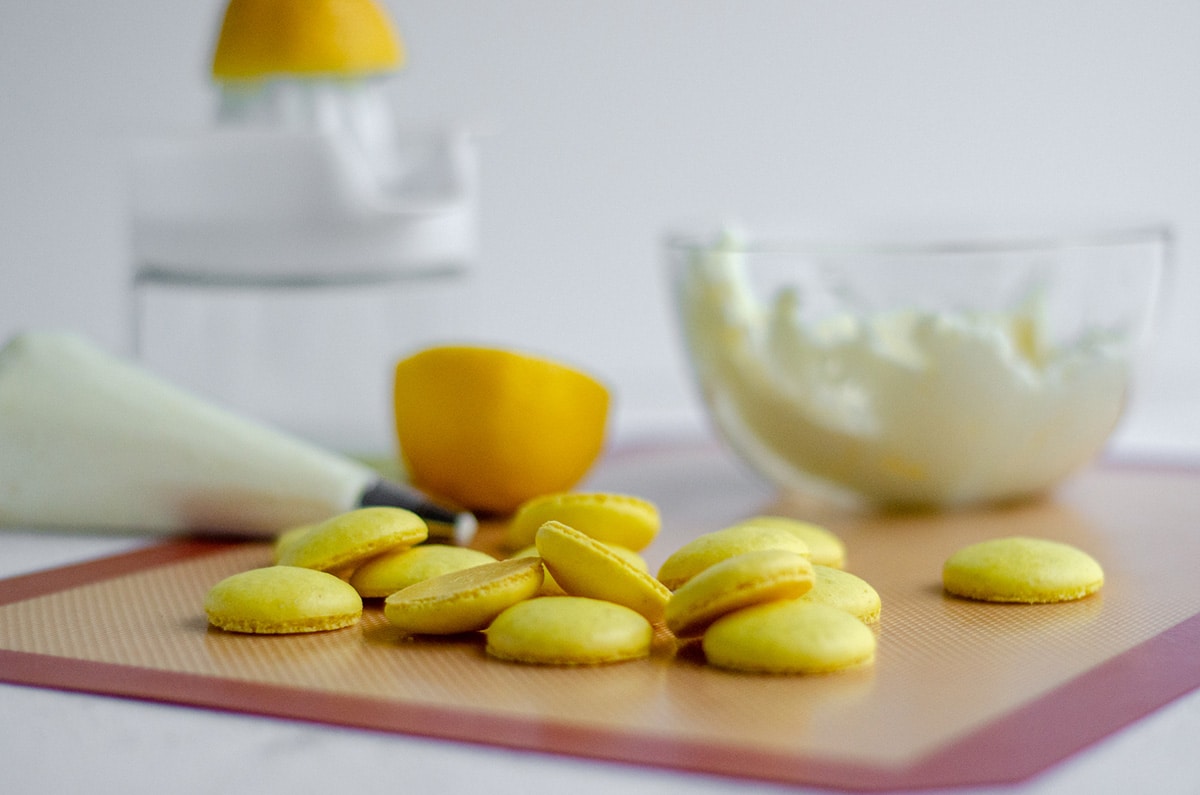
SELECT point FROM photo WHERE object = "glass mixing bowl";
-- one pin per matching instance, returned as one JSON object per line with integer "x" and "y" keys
{"x": 926, "y": 375}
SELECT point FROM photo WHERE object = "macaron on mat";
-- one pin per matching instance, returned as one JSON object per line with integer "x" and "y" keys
{"x": 961, "y": 692}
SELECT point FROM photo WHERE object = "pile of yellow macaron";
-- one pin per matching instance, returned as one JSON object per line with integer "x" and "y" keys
{"x": 768, "y": 595}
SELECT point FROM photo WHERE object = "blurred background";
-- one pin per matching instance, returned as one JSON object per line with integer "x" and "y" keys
{"x": 601, "y": 126}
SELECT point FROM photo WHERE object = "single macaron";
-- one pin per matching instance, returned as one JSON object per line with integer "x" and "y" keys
{"x": 286, "y": 539}
{"x": 549, "y": 586}
{"x": 350, "y": 538}
{"x": 552, "y": 588}
{"x": 466, "y": 600}
{"x": 282, "y": 600}
{"x": 845, "y": 591}
{"x": 385, "y": 574}
{"x": 704, "y": 550}
{"x": 790, "y": 636}
{"x": 569, "y": 630}
{"x": 619, "y": 519}
{"x": 824, "y": 548}
{"x": 747, "y": 579}
{"x": 1022, "y": 569}
{"x": 584, "y": 566}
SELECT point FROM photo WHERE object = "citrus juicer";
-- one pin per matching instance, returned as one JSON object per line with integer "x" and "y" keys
{"x": 290, "y": 250}
{"x": 306, "y": 176}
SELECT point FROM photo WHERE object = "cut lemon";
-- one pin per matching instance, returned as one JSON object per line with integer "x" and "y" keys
{"x": 489, "y": 428}
{"x": 266, "y": 38}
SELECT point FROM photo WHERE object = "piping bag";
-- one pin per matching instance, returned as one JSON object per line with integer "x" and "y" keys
{"x": 88, "y": 440}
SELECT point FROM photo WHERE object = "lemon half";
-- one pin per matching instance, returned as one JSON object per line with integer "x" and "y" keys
{"x": 489, "y": 428}
{"x": 266, "y": 38}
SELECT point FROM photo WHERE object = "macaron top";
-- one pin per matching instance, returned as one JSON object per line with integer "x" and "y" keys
{"x": 569, "y": 630}
{"x": 282, "y": 599}
{"x": 740, "y": 581}
{"x": 789, "y": 636}
{"x": 704, "y": 550}
{"x": 352, "y": 537}
{"x": 845, "y": 591}
{"x": 824, "y": 547}
{"x": 619, "y": 519}
{"x": 384, "y": 574}
{"x": 1022, "y": 569}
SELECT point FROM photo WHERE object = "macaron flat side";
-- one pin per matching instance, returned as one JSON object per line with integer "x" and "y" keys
{"x": 584, "y": 566}
{"x": 464, "y": 601}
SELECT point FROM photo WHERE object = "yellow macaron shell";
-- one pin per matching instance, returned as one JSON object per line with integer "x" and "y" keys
{"x": 740, "y": 581}
{"x": 551, "y": 588}
{"x": 790, "y": 636}
{"x": 845, "y": 591}
{"x": 385, "y": 574}
{"x": 354, "y": 536}
{"x": 287, "y": 538}
{"x": 281, "y": 600}
{"x": 1022, "y": 569}
{"x": 569, "y": 630}
{"x": 824, "y": 548}
{"x": 703, "y": 551}
{"x": 583, "y": 566}
{"x": 619, "y": 519}
{"x": 465, "y": 600}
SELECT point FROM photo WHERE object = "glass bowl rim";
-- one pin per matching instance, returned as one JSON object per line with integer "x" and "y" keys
{"x": 750, "y": 244}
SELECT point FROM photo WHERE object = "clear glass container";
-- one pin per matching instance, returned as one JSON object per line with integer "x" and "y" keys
{"x": 932, "y": 374}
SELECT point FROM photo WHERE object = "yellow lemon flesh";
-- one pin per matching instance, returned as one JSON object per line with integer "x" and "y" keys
{"x": 489, "y": 428}
{"x": 267, "y": 38}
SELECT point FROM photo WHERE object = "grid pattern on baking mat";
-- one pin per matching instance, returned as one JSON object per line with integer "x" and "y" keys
{"x": 961, "y": 693}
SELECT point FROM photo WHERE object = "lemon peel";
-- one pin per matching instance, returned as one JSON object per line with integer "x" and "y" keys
{"x": 269, "y": 38}
{"x": 489, "y": 428}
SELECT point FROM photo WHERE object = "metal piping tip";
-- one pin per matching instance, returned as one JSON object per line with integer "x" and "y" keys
{"x": 446, "y": 524}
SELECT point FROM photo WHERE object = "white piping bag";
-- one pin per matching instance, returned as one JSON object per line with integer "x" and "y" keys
{"x": 88, "y": 440}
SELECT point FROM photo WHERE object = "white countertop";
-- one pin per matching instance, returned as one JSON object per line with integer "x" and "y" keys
{"x": 53, "y": 741}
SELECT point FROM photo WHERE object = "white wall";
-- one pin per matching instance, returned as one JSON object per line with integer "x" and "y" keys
{"x": 605, "y": 123}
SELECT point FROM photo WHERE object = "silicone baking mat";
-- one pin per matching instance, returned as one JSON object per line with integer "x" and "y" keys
{"x": 961, "y": 693}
